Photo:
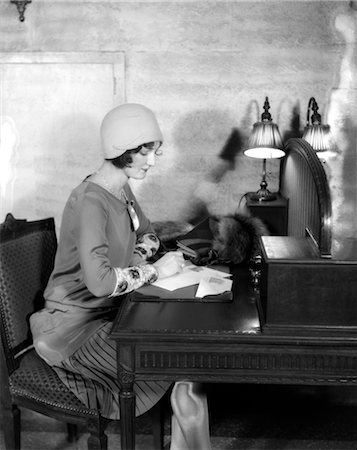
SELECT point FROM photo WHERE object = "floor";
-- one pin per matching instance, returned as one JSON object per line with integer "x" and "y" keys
{"x": 242, "y": 417}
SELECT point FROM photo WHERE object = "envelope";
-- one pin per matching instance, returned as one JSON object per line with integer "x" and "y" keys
{"x": 211, "y": 285}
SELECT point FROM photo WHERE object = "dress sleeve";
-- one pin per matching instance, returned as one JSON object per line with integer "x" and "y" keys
{"x": 133, "y": 277}
{"x": 98, "y": 275}
{"x": 145, "y": 248}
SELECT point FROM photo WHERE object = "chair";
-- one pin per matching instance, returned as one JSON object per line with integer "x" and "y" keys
{"x": 27, "y": 251}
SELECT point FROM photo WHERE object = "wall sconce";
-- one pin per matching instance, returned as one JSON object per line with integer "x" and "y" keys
{"x": 265, "y": 143}
{"x": 317, "y": 135}
{"x": 21, "y": 7}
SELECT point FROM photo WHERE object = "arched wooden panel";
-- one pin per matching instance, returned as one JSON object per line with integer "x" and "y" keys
{"x": 303, "y": 181}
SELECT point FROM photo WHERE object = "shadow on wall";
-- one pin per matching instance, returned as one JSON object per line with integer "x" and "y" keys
{"x": 207, "y": 171}
{"x": 207, "y": 147}
{"x": 294, "y": 130}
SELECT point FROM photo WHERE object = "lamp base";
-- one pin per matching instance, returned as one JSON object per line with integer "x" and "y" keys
{"x": 263, "y": 195}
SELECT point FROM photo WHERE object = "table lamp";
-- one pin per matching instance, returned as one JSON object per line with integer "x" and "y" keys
{"x": 316, "y": 134}
{"x": 265, "y": 143}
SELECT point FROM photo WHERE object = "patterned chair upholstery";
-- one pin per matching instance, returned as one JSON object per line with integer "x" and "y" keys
{"x": 27, "y": 251}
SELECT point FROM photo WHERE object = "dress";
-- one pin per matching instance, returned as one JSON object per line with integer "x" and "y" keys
{"x": 100, "y": 257}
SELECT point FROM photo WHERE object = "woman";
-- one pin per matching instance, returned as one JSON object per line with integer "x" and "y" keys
{"x": 104, "y": 246}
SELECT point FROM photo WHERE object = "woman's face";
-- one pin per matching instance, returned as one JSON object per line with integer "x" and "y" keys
{"x": 142, "y": 162}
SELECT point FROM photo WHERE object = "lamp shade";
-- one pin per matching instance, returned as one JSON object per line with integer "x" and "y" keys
{"x": 316, "y": 134}
{"x": 265, "y": 141}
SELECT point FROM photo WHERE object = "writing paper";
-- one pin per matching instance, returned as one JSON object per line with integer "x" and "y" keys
{"x": 189, "y": 276}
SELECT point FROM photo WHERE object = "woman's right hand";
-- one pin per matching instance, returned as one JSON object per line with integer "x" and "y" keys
{"x": 169, "y": 264}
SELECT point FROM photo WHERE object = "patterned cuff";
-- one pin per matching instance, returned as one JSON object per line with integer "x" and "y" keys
{"x": 133, "y": 278}
{"x": 146, "y": 246}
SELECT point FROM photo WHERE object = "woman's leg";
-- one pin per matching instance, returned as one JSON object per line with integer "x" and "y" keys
{"x": 91, "y": 374}
{"x": 190, "y": 422}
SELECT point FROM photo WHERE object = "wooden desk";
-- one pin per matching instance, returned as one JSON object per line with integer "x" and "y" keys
{"x": 220, "y": 342}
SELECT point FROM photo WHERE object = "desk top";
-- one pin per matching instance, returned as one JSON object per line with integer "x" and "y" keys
{"x": 149, "y": 319}
{"x": 236, "y": 322}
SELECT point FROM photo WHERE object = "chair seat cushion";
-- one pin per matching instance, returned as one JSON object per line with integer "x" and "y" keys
{"x": 35, "y": 381}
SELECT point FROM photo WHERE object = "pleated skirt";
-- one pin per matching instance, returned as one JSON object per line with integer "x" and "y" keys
{"x": 91, "y": 374}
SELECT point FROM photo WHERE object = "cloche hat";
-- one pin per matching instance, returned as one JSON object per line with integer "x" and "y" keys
{"x": 127, "y": 127}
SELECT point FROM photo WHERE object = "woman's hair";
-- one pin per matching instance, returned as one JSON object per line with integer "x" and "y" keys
{"x": 125, "y": 159}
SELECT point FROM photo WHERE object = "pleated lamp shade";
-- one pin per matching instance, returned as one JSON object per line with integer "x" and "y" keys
{"x": 316, "y": 134}
{"x": 265, "y": 141}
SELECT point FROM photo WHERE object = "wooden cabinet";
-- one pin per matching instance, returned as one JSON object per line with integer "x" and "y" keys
{"x": 273, "y": 213}
{"x": 301, "y": 292}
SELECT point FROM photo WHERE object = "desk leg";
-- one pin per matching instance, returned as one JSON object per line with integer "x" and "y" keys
{"x": 126, "y": 378}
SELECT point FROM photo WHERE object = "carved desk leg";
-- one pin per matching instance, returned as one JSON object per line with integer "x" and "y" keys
{"x": 126, "y": 376}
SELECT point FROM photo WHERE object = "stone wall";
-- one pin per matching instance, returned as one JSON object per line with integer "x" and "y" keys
{"x": 204, "y": 67}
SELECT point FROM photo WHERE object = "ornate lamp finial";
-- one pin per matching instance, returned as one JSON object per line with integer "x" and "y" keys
{"x": 21, "y": 7}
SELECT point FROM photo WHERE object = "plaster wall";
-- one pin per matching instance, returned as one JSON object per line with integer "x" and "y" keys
{"x": 205, "y": 68}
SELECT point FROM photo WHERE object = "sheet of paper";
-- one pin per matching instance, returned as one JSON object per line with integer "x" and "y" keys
{"x": 213, "y": 285}
{"x": 185, "y": 278}
{"x": 189, "y": 276}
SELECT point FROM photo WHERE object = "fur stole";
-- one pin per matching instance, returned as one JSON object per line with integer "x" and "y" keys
{"x": 235, "y": 238}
